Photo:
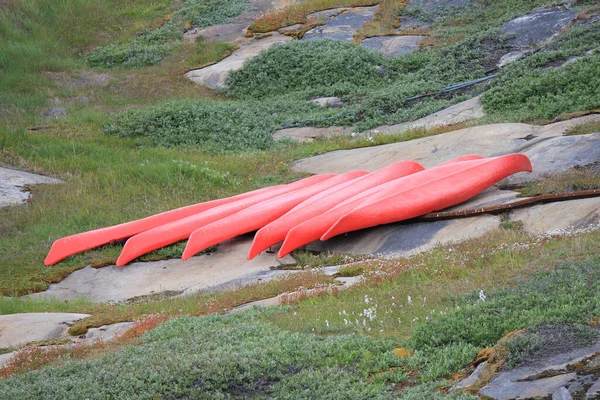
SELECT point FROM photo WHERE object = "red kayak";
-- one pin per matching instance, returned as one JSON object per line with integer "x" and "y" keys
{"x": 67, "y": 246}
{"x": 171, "y": 232}
{"x": 275, "y": 231}
{"x": 257, "y": 216}
{"x": 434, "y": 194}
{"x": 314, "y": 228}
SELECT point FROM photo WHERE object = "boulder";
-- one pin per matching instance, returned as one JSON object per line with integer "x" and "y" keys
{"x": 562, "y": 217}
{"x": 106, "y": 333}
{"x": 531, "y": 29}
{"x": 334, "y": 102}
{"x": 341, "y": 23}
{"x": 393, "y": 46}
{"x": 457, "y": 113}
{"x": 19, "y": 329}
{"x": 543, "y": 378}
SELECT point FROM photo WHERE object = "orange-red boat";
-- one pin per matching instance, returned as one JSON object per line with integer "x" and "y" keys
{"x": 432, "y": 194}
{"x": 275, "y": 231}
{"x": 180, "y": 229}
{"x": 67, "y": 246}
{"x": 257, "y": 216}
{"x": 314, "y": 228}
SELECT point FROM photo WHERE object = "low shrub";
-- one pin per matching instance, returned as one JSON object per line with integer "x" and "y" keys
{"x": 305, "y": 65}
{"x": 567, "y": 294}
{"x": 215, "y": 127}
{"x": 222, "y": 357}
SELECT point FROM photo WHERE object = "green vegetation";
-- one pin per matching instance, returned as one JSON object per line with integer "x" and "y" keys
{"x": 584, "y": 129}
{"x": 313, "y": 66}
{"x": 209, "y": 52}
{"x": 540, "y": 95}
{"x": 374, "y": 89}
{"x": 215, "y": 127}
{"x": 338, "y": 344}
{"x": 255, "y": 353}
{"x": 218, "y": 357}
{"x": 573, "y": 180}
{"x": 151, "y": 46}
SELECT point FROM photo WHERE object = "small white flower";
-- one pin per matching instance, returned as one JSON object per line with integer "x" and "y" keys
{"x": 327, "y": 323}
{"x": 482, "y": 296}
{"x": 409, "y": 300}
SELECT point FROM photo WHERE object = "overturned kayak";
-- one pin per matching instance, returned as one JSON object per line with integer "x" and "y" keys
{"x": 276, "y": 231}
{"x": 314, "y": 228}
{"x": 257, "y": 216}
{"x": 70, "y": 245}
{"x": 432, "y": 194}
{"x": 180, "y": 229}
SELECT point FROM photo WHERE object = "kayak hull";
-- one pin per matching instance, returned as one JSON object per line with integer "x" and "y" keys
{"x": 257, "y": 216}
{"x": 313, "y": 229}
{"x": 276, "y": 231}
{"x": 166, "y": 234}
{"x": 70, "y": 245}
{"x": 435, "y": 194}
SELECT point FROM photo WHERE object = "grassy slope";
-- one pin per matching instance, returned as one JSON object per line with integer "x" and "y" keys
{"x": 112, "y": 179}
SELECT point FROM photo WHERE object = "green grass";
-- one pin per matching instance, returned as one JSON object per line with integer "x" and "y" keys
{"x": 151, "y": 46}
{"x": 47, "y": 35}
{"x": 584, "y": 129}
{"x": 399, "y": 295}
{"x": 571, "y": 180}
{"x": 219, "y": 357}
{"x": 209, "y": 52}
{"x": 253, "y": 353}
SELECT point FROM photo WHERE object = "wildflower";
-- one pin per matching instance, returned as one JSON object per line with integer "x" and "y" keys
{"x": 327, "y": 323}
{"x": 482, "y": 296}
{"x": 409, "y": 300}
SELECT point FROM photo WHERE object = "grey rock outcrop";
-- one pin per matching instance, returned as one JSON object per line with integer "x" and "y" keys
{"x": 536, "y": 27}
{"x": 461, "y": 112}
{"x": 13, "y": 185}
{"x": 341, "y": 23}
{"x": 214, "y": 75}
{"x": 546, "y": 146}
{"x": 226, "y": 268}
{"x": 19, "y": 329}
{"x": 393, "y": 46}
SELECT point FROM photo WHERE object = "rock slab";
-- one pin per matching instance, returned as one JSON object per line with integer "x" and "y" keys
{"x": 542, "y": 378}
{"x": 461, "y": 112}
{"x": 341, "y": 23}
{"x": 534, "y": 28}
{"x": 226, "y": 268}
{"x": 13, "y": 182}
{"x": 546, "y": 146}
{"x": 19, "y": 329}
{"x": 393, "y": 46}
